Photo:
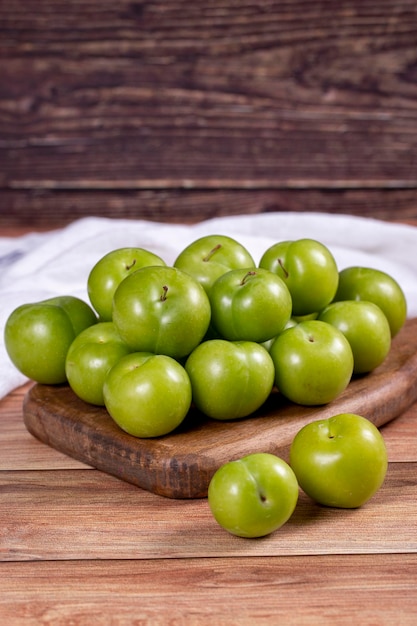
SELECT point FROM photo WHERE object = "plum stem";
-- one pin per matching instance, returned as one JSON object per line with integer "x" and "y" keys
{"x": 164, "y": 293}
{"x": 282, "y": 266}
{"x": 246, "y": 276}
{"x": 132, "y": 264}
{"x": 212, "y": 251}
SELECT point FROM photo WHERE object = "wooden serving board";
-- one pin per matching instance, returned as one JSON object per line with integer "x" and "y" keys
{"x": 181, "y": 464}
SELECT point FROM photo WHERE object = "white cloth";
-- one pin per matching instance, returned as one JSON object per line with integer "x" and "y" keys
{"x": 42, "y": 265}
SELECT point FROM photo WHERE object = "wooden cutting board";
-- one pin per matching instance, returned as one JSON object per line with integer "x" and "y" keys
{"x": 180, "y": 465}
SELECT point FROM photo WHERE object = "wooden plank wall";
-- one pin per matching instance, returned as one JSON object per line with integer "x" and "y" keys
{"x": 182, "y": 110}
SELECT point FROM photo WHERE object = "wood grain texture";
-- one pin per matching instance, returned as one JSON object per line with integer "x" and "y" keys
{"x": 114, "y": 101}
{"x": 20, "y": 450}
{"x": 35, "y": 208}
{"x": 84, "y": 514}
{"x": 181, "y": 464}
{"x": 293, "y": 591}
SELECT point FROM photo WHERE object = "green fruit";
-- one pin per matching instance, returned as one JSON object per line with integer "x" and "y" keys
{"x": 108, "y": 273}
{"x": 249, "y": 305}
{"x": 147, "y": 395}
{"x": 253, "y": 496}
{"x": 313, "y": 362}
{"x": 161, "y": 310}
{"x": 90, "y": 356}
{"x": 365, "y": 327}
{"x": 230, "y": 380}
{"x": 38, "y": 335}
{"x": 372, "y": 285}
{"x": 340, "y": 461}
{"x": 309, "y": 270}
{"x": 210, "y": 256}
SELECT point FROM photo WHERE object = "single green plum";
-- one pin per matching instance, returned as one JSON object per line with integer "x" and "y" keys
{"x": 249, "y": 305}
{"x": 313, "y": 362}
{"x": 90, "y": 357}
{"x": 38, "y": 335}
{"x": 340, "y": 461}
{"x": 109, "y": 271}
{"x": 253, "y": 496}
{"x": 162, "y": 310}
{"x": 365, "y": 327}
{"x": 309, "y": 270}
{"x": 147, "y": 395}
{"x": 230, "y": 379}
{"x": 210, "y": 256}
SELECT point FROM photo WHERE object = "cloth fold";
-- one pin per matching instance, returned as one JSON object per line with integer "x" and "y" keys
{"x": 41, "y": 265}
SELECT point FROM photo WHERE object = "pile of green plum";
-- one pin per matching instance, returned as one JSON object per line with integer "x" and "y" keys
{"x": 213, "y": 329}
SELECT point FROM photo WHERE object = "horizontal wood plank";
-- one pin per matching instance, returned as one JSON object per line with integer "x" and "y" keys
{"x": 36, "y": 208}
{"x": 61, "y": 515}
{"x": 19, "y": 449}
{"x": 197, "y": 592}
{"x": 145, "y": 101}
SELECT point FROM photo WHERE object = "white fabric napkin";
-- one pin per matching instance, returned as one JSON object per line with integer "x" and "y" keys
{"x": 42, "y": 265}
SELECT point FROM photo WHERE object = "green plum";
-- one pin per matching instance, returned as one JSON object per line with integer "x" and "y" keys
{"x": 90, "y": 356}
{"x": 313, "y": 362}
{"x": 38, "y": 335}
{"x": 253, "y": 496}
{"x": 373, "y": 285}
{"x": 250, "y": 305}
{"x": 340, "y": 461}
{"x": 230, "y": 379}
{"x": 365, "y": 327}
{"x": 210, "y": 256}
{"x": 147, "y": 395}
{"x": 309, "y": 270}
{"x": 110, "y": 270}
{"x": 162, "y": 310}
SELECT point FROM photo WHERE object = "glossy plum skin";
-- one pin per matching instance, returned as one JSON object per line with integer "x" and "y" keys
{"x": 210, "y": 256}
{"x": 109, "y": 271}
{"x": 147, "y": 395}
{"x": 253, "y": 496}
{"x": 249, "y": 305}
{"x": 230, "y": 380}
{"x": 340, "y": 461}
{"x": 90, "y": 356}
{"x": 365, "y": 327}
{"x": 309, "y": 270}
{"x": 79, "y": 312}
{"x": 313, "y": 362}
{"x": 372, "y": 285}
{"x": 38, "y": 335}
{"x": 162, "y": 310}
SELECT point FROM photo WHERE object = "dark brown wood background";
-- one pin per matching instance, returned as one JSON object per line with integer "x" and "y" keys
{"x": 178, "y": 110}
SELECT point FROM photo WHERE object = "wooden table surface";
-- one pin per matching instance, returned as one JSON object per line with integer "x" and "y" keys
{"x": 81, "y": 547}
